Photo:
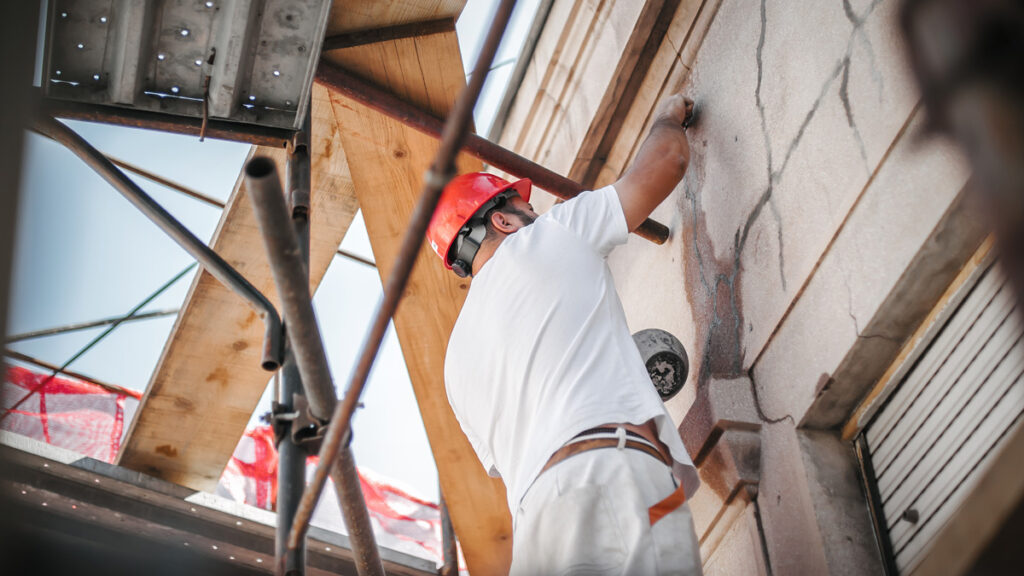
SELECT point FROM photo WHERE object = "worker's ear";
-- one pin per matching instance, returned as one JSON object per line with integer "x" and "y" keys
{"x": 503, "y": 223}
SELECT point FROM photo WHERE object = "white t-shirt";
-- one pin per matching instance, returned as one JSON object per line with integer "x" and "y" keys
{"x": 541, "y": 350}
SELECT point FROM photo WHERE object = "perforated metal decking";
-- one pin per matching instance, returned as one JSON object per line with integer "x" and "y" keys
{"x": 249, "y": 61}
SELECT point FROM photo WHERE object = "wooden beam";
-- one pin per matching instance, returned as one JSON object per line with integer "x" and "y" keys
{"x": 352, "y": 39}
{"x": 358, "y": 15}
{"x": 584, "y": 117}
{"x": 637, "y": 56}
{"x": 388, "y": 160}
{"x": 208, "y": 380}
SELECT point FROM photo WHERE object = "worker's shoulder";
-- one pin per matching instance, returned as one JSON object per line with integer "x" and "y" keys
{"x": 595, "y": 216}
{"x": 586, "y": 204}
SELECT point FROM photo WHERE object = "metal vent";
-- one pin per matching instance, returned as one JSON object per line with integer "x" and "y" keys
{"x": 951, "y": 412}
{"x": 250, "y": 61}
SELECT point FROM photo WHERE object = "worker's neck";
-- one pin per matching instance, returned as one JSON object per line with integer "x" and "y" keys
{"x": 485, "y": 252}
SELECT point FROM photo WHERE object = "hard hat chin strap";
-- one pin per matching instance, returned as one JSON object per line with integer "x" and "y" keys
{"x": 466, "y": 247}
{"x": 472, "y": 235}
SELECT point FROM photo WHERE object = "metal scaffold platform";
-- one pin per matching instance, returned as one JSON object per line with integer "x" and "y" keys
{"x": 247, "y": 61}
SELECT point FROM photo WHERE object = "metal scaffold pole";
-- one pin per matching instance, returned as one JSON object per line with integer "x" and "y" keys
{"x": 210, "y": 260}
{"x": 442, "y": 170}
{"x": 210, "y": 201}
{"x": 96, "y": 340}
{"x": 79, "y": 326}
{"x": 291, "y": 456}
{"x": 306, "y": 371}
{"x": 350, "y": 85}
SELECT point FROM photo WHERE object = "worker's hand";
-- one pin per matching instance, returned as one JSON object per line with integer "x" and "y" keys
{"x": 677, "y": 109}
{"x": 660, "y": 164}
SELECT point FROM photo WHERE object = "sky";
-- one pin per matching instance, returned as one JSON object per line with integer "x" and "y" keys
{"x": 83, "y": 253}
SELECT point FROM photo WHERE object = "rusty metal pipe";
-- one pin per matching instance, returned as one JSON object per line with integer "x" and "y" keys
{"x": 452, "y": 136}
{"x": 291, "y": 277}
{"x": 78, "y": 326}
{"x": 58, "y": 370}
{"x": 272, "y": 349}
{"x": 180, "y": 188}
{"x": 292, "y": 280}
{"x": 132, "y": 118}
{"x": 356, "y": 258}
{"x": 351, "y": 86}
{"x": 365, "y": 554}
{"x": 291, "y": 462}
{"x": 165, "y": 182}
{"x": 291, "y": 472}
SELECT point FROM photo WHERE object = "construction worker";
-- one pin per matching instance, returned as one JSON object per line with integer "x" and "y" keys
{"x": 545, "y": 380}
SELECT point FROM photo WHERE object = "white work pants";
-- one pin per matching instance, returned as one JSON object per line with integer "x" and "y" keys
{"x": 589, "y": 515}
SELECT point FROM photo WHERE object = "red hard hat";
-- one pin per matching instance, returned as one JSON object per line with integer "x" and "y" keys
{"x": 460, "y": 200}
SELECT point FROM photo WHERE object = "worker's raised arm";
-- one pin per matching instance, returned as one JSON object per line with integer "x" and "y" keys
{"x": 659, "y": 165}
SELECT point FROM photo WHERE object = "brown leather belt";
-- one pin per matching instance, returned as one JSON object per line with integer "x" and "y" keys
{"x": 654, "y": 513}
{"x": 573, "y": 448}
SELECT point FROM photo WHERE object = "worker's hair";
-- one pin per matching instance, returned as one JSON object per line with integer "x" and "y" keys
{"x": 504, "y": 208}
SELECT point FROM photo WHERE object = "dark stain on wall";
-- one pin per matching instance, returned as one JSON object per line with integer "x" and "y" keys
{"x": 713, "y": 284}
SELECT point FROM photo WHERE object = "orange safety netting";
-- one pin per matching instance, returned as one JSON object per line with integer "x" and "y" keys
{"x": 72, "y": 414}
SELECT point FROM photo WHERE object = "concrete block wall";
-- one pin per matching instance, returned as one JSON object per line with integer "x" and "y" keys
{"x": 817, "y": 226}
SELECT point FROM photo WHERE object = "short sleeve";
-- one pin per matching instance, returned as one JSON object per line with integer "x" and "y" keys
{"x": 596, "y": 217}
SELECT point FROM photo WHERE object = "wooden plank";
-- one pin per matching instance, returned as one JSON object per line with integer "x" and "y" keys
{"x": 123, "y": 509}
{"x": 388, "y": 161}
{"x": 667, "y": 74}
{"x": 577, "y": 114}
{"x": 636, "y": 57}
{"x": 208, "y": 380}
{"x": 357, "y": 15}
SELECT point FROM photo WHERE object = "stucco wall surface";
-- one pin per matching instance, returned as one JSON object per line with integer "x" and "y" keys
{"x": 800, "y": 102}
{"x": 817, "y": 225}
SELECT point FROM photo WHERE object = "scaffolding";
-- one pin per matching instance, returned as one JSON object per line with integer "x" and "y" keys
{"x": 307, "y": 417}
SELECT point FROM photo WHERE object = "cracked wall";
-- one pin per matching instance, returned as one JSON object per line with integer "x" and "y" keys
{"x": 809, "y": 123}
{"x": 815, "y": 228}
{"x": 799, "y": 103}
{"x": 817, "y": 224}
